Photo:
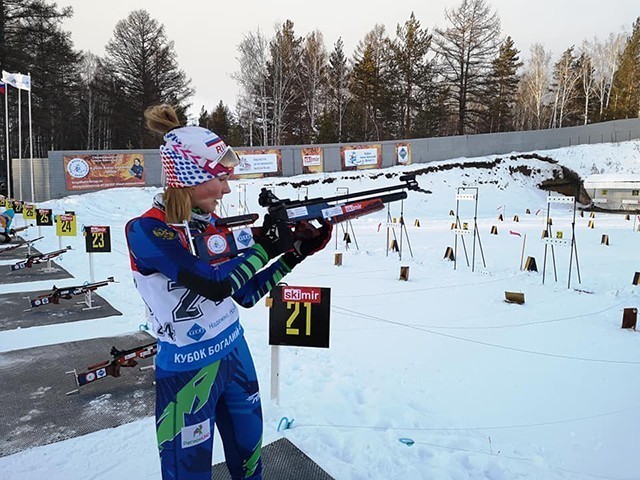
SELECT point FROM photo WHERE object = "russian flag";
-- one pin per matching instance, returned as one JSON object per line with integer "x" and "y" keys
{"x": 3, "y": 88}
{"x": 213, "y": 141}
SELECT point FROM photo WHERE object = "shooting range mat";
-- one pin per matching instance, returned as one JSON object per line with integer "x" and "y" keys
{"x": 35, "y": 410}
{"x": 13, "y": 315}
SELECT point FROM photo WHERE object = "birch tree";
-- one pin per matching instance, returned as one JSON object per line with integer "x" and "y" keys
{"x": 283, "y": 68}
{"x": 565, "y": 78}
{"x": 253, "y": 105}
{"x": 533, "y": 92}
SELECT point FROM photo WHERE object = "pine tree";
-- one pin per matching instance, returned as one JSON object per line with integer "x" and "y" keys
{"x": 144, "y": 63}
{"x": 502, "y": 88}
{"x": 625, "y": 93}
{"x": 338, "y": 95}
{"x": 371, "y": 87}
{"x": 409, "y": 57}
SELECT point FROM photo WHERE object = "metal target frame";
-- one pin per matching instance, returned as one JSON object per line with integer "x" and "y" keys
{"x": 242, "y": 199}
{"x": 459, "y": 231}
{"x": 559, "y": 240}
{"x": 345, "y": 226}
{"x": 390, "y": 226}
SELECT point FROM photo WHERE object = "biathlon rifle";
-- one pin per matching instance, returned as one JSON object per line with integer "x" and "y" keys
{"x": 13, "y": 231}
{"x": 111, "y": 368}
{"x": 21, "y": 244}
{"x": 333, "y": 209}
{"x": 67, "y": 292}
{"x": 38, "y": 258}
{"x": 336, "y": 209}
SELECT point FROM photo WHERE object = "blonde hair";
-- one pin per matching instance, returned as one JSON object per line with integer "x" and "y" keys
{"x": 177, "y": 201}
{"x": 161, "y": 118}
{"x": 177, "y": 204}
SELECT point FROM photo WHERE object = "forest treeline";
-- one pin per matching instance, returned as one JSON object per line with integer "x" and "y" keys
{"x": 466, "y": 77}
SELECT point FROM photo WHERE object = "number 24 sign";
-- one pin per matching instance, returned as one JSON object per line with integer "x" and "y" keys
{"x": 299, "y": 316}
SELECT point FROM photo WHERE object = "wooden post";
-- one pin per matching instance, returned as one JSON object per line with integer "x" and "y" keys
{"x": 404, "y": 273}
{"x": 448, "y": 254}
{"x": 514, "y": 297}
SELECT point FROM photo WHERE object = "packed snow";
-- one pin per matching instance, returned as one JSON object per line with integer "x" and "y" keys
{"x": 485, "y": 389}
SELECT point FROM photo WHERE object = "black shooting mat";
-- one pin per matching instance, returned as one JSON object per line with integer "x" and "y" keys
{"x": 35, "y": 410}
{"x": 13, "y": 314}
{"x": 281, "y": 460}
{"x": 17, "y": 253}
{"x": 35, "y": 273}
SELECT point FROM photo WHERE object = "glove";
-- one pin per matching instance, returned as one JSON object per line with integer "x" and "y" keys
{"x": 12, "y": 232}
{"x": 275, "y": 238}
{"x": 309, "y": 239}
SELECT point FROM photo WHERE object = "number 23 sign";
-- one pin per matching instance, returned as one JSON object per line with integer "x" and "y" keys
{"x": 299, "y": 316}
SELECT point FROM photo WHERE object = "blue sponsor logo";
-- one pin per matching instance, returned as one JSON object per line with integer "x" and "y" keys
{"x": 196, "y": 332}
{"x": 245, "y": 238}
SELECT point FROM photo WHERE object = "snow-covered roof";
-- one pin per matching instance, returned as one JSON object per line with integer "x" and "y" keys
{"x": 613, "y": 181}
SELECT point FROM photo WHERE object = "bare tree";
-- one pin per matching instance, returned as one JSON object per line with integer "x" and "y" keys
{"x": 253, "y": 105}
{"x": 467, "y": 48}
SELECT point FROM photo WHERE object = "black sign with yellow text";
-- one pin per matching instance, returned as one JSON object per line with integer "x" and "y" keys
{"x": 299, "y": 316}
{"x": 97, "y": 239}
{"x": 44, "y": 217}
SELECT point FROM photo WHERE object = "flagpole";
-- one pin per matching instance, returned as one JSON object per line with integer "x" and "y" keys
{"x": 524, "y": 242}
{"x": 6, "y": 135}
{"x": 20, "y": 142}
{"x": 33, "y": 191}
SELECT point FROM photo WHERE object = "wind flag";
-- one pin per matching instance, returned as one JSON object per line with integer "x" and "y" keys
{"x": 513, "y": 232}
{"x": 17, "y": 80}
{"x": 537, "y": 211}
{"x": 500, "y": 207}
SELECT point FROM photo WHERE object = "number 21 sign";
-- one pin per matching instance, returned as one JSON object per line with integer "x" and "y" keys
{"x": 299, "y": 316}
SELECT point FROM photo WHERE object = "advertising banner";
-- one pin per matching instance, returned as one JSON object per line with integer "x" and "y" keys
{"x": 108, "y": 170}
{"x": 258, "y": 163}
{"x": 359, "y": 157}
{"x": 312, "y": 160}
{"x": 403, "y": 154}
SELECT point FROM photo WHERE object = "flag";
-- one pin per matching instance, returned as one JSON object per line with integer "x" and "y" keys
{"x": 2, "y": 88}
{"x": 537, "y": 211}
{"x": 17, "y": 80}
{"x": 500, "y": 207}
{"x": 513, "y": 232}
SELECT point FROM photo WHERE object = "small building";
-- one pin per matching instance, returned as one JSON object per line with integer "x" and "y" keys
{"x": 614, "y": 191}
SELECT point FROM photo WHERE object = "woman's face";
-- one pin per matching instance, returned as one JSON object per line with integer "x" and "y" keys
{"x": 206, "y": 195}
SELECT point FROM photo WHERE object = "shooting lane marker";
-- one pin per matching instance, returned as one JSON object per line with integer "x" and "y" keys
{"x": 494, "y": 230}
{"x": 514, "y": 297}
{"x": 530, "y": 265}
{"x": 404, "y": 273}
{"x": 629, "y": 318}
{"x": 605, "y": 240}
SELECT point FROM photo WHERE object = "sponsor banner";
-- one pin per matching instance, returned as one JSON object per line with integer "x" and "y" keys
{"x": 361, "y": 156}
{"x": 403, "y": 153}
{"x": 107, "y": 170}
{"x": 312, "y": 160}
{"x": 258, "y": 163}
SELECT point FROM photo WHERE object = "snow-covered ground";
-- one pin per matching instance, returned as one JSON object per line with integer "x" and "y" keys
{"x": 485, "y": 389}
